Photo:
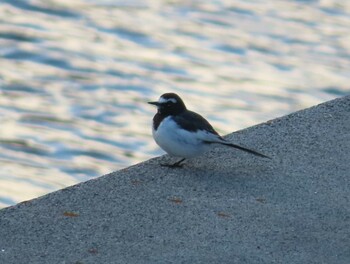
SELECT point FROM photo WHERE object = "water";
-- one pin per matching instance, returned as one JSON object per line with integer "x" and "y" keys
{"x": 75, "y": 76}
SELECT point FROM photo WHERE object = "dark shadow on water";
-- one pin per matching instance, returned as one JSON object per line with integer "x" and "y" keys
{"x": 232, "y": 49}
{"x": 134, "y": 36}
{"x": 79, "y": 172}
{"x": 67, "y": 153}
{"x": 7, "y": 201}
{"x": 18, "y": 37}
{"x": 22, "y": 145}
{"x": 336, "y": 91}
{"x": 35, "y": 8}
{"x": 21, "y": 88}
{"x": 242, "y": 11}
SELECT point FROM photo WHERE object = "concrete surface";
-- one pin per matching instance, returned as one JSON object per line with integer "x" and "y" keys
{"x": 225, "y": 207}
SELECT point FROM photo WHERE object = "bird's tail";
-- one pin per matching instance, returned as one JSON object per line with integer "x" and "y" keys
{"x": 245, "y": 149}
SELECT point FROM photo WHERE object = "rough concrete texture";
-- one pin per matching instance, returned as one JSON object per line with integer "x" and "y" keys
{"x": 225, "y": 207}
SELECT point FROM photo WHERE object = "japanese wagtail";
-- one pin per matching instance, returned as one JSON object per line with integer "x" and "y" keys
{"x": 183, "y": 133}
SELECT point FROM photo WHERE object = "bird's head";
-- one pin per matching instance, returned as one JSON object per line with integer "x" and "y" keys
{"x": 169, "y": 104}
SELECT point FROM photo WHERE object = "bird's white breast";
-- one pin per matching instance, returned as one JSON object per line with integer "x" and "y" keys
{"x": 179, "y": 142}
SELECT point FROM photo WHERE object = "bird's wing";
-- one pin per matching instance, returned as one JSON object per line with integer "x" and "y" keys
{"x": 194, "y": 122}
{"x": 204, "y": 131}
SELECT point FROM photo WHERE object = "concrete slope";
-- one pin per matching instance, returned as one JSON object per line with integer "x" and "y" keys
{"x": 225, "y": 207}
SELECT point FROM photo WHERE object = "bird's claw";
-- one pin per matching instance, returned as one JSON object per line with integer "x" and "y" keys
{"x": 173, "y": 166}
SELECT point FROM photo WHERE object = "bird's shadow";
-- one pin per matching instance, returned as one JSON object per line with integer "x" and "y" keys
{"x": 211, "y": 175}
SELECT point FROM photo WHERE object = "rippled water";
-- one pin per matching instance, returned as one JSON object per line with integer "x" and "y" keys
{"x": 75, "y": 76}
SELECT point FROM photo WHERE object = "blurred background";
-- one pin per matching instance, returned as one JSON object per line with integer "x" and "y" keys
{"x": 75, "y": 76}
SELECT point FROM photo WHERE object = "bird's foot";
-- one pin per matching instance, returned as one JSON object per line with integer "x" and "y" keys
{"x": 172, "y": 165}
{"x": 175, "y": 165}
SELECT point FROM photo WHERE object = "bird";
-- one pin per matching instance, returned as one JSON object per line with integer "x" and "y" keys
{"x": 183, "y": 133}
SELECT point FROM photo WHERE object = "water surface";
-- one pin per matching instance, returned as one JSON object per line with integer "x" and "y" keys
{"x": 75, "y": 76}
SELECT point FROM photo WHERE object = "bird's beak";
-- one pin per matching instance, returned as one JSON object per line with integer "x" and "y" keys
{"x": 154, "y": 103}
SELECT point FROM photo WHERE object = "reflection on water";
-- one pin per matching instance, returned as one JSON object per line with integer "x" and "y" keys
{"x": 75, "y": 76}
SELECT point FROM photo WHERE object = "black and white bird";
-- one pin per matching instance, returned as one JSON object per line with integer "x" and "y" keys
{"x": 183, "y": 133}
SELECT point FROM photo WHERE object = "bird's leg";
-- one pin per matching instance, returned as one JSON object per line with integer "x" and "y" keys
{"x": 175, "y": 165}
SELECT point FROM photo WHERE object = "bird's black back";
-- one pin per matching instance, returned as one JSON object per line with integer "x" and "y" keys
{"x": 193, "y": 122}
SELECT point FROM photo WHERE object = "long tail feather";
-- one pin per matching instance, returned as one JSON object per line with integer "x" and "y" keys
{"x": 245, "y": 149}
